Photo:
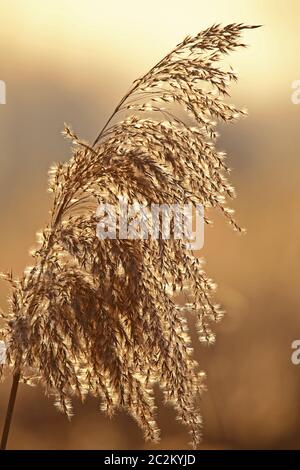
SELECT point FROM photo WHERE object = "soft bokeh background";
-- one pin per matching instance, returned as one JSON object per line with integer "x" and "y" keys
{"x": 69, "y": 60}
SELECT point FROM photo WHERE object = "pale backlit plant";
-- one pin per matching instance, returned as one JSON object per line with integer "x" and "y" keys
{"x": 98, "y": 316}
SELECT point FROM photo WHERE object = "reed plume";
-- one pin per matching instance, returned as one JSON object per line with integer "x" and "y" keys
{"x": 98, "y": 316}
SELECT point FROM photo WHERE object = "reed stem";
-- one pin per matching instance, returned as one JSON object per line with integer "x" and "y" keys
{"x": 10, "y": 410}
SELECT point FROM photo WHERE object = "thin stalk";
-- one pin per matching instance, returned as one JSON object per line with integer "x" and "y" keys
{"x": 135, "y": 86}
{"x": 114, "y": 113}
{"x": 10, "y": 410}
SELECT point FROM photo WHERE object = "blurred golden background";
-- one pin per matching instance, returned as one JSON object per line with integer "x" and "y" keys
{"x": 72, "y": 61}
